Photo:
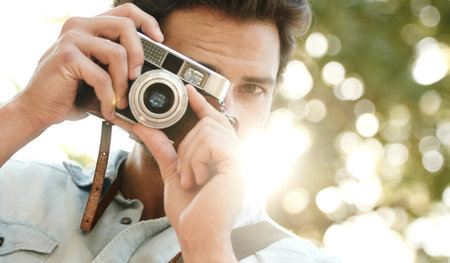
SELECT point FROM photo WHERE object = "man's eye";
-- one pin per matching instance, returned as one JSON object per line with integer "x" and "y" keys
{"x": 253, "y": 89}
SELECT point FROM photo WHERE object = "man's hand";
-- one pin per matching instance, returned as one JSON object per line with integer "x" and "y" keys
{"x": 204, "y": 186}
{"x": 110, "y": 38}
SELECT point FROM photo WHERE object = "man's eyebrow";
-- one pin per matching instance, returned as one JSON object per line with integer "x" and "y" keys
{"x": 260, "y": 80}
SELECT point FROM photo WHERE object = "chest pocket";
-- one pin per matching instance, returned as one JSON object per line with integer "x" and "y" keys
{"x": 24, "y": 242}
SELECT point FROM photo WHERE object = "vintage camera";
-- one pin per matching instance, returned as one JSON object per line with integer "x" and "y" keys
{"x": 158, "y": 98}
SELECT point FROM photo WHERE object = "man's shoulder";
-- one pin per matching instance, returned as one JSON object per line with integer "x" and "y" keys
{"x": 28, "y": 171}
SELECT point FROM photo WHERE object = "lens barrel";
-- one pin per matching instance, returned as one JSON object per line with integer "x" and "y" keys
{"x": 158, "y": 99}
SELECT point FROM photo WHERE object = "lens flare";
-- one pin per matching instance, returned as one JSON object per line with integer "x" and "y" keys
{"x": 267, "y": 157}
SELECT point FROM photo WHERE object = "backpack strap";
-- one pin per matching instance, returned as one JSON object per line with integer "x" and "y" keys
{"x": 247, "y": 240}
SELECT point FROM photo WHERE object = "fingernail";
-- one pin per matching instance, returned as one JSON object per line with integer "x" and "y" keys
{"x": 137, "y": 71}
{"x": 160, "y": 34}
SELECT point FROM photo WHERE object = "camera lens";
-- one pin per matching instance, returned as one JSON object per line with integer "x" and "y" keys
{"x": 158, "y": 98}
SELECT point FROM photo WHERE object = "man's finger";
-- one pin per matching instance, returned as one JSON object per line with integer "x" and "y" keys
{"x": 200, "y": 106}
{"x": 159, "y": 146}
{"x": 141, "y": 19}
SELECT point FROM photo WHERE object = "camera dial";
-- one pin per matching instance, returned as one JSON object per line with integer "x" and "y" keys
{"x": 158, "y": 99}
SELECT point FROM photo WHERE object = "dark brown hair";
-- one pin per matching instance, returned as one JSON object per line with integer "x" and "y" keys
{"x": 292, "y": 17}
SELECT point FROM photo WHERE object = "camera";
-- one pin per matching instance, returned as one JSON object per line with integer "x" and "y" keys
{"x": 158, "y": 97}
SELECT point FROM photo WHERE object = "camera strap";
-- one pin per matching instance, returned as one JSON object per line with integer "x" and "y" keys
{"x": 97, "y": 204}
{"x": 248, "y": 240}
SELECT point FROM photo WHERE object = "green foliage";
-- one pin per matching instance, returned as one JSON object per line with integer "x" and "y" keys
{"x": 378, "y": 40}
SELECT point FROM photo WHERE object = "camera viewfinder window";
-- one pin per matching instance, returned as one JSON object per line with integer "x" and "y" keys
{"x": 172, "y": 63}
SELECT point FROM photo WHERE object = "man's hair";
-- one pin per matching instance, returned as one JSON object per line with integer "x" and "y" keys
{"x": 292, "y": 17}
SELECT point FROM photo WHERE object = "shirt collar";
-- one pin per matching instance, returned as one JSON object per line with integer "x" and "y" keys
{"x": 83, "y": 179}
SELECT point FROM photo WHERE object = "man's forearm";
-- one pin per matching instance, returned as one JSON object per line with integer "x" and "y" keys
{"x": 16, "y": 129}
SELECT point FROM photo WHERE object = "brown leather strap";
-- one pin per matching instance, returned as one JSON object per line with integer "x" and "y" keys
{"x": 250, "y": 239}
{"x": 177, "y": 258}
{"x": 96, "y": 206}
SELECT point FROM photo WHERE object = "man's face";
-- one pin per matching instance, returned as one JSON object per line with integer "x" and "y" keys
{"x": 247, "y": 54}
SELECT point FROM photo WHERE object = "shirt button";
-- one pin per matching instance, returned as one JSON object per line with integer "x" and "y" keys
{"x": 125, "y": 221}
{"x": 1, "y": 241}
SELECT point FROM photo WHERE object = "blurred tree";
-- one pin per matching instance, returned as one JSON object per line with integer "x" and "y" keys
{"x": 378, "y": 43}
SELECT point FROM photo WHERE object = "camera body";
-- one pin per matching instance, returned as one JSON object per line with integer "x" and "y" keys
{"x": 158, "y": 98}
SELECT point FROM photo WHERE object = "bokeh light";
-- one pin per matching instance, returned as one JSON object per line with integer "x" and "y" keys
{"x": 328, "y": 200}
{"x": 333, "y": 73}
{"x": 367, "y": 124}
{"x": 350, "y": 89}
{"x": 299, "y": 108}
{"x": 297, "y": 81}
{"x": 446, "y": 196}
{"x": 316, "y": 44}
{"x": 363, "y": 106}
{"x": 296, "y": 200}
{"x": 400, "y": 115}
{"x": 431, "y": 233}
{"x": 317, "y": 111}
{"x": 429, "y": 143}
{"x": 366, "y": 238}
{"x": 361, "y": 163}
{"x": 397, "y": 153}
{"x": 443, "y": 132}
{"x": 429, "y": 16}
{"x": 430, "y": 102}
{"x": 363, "y": 193}
{"x": 334, "y": 45}
{"x": 432, "y": 161}
{"x": 430, "y": 65}
{"x": 348, "y": 142}
{"x": 418, "y": 5}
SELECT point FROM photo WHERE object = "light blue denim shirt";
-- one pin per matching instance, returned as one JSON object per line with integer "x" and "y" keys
{"x": 41, "y": 206}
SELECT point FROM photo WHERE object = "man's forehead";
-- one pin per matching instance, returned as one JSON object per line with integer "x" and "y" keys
{"x": 260, "y": 38}
{"x": 223, "y": 45}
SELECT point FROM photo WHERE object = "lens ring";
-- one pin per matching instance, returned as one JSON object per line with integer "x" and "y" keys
{"x": 167, "y": 117}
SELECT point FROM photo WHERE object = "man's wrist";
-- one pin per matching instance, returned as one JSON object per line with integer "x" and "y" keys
{"x": 208, "y": 250}
{"x": 17, "y": 129}
{"x": 28, "y": 116}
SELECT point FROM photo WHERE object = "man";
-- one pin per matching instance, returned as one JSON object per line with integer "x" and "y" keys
{"x": 169, "y": 201}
